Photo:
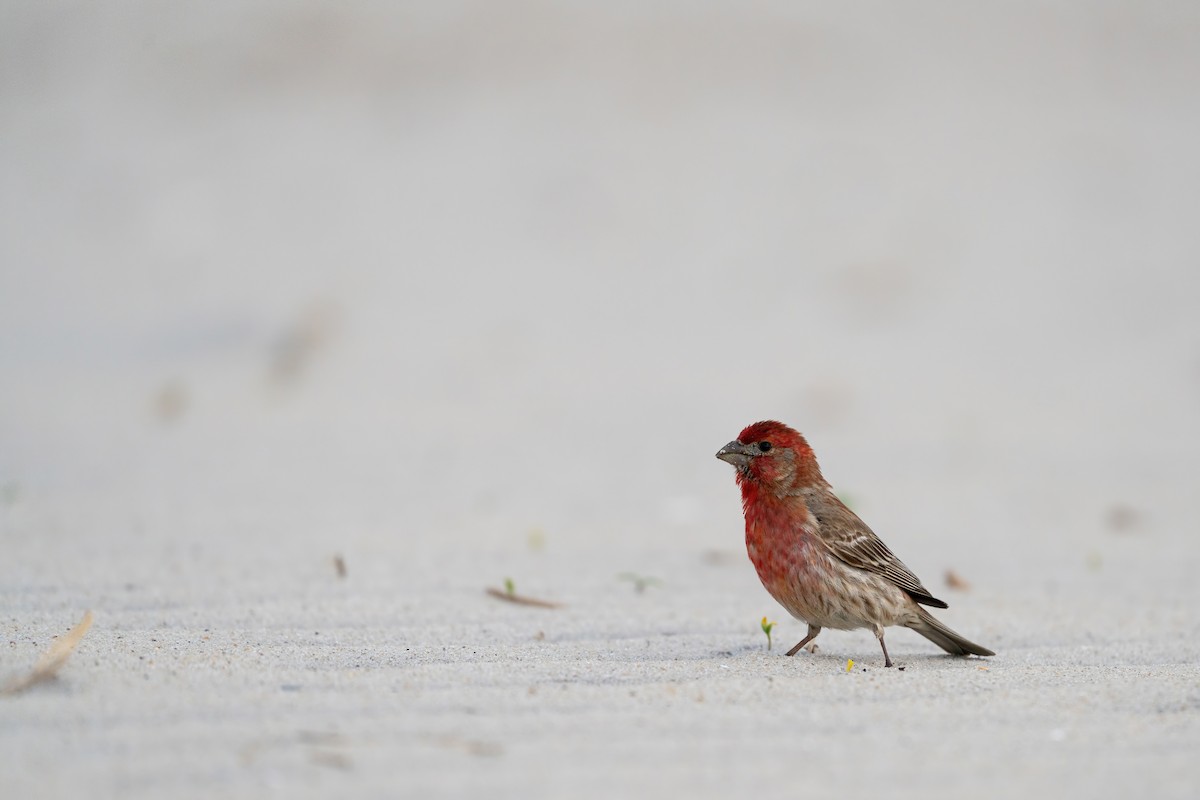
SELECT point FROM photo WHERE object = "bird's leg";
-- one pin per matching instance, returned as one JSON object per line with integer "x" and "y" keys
{"x": 813, "y": 630}
{"x": 887, "y": 660}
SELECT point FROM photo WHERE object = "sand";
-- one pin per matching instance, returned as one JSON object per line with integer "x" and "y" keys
{"x": 462, "y": 295}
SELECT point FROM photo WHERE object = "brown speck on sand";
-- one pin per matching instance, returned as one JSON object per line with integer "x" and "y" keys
{"x": 331, "y": 759}
{"x": 171, "y": 401}
{"x": 956, "y": 581}
{"x": 719, "y": 558}
{"x": 1124, "y": 519}
{"x": 295, "y": 349}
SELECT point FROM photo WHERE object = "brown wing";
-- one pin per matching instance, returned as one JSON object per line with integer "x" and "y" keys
{"x": 850, "y": 540}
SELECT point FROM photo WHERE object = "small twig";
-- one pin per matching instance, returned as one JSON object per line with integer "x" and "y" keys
{"x": 513, "y": 597}
{"x": 52, "y": 660}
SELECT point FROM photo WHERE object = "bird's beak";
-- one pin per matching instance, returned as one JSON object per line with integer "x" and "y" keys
{"x": 735, "y": 453}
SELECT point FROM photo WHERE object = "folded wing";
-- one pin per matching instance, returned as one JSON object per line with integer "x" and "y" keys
{"x": 851, "y": 541}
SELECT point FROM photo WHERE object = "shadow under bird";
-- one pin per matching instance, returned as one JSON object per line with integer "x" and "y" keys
{"x": 815, "y": 556}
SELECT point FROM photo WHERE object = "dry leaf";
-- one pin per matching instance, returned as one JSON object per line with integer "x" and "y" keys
{"x": 52, "y": 660}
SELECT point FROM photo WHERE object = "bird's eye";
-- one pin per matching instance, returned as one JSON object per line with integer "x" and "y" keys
{"x": 764, "y": 446}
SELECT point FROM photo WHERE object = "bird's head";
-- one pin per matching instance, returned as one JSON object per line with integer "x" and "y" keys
{"x": 771, "y": 455}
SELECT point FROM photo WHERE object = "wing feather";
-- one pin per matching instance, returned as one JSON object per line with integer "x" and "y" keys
{"x": 852, "y": 542}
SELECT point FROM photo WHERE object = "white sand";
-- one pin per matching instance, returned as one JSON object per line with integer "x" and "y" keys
{"x": 463, "y": 293}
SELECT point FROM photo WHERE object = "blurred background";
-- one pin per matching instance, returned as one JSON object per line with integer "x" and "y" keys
{"x": 423, "y": 277}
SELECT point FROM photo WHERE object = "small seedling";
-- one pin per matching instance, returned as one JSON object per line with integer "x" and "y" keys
{"x": 640, "y": 582}
{"x": 510, "y": 588}
{"x": 766, "y": 628}
{"x": 849, "y": 664}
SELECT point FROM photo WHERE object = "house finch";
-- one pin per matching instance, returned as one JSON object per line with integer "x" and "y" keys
{"x": 815, "y": 556}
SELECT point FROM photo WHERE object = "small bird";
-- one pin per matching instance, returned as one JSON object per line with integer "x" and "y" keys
{"x": 815, "y": 556}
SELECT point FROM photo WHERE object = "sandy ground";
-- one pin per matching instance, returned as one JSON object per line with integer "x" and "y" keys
{"x": 463, "y": 293}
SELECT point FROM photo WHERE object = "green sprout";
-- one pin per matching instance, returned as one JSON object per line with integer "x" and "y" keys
{"x": 766, "y": 628}
{"x": 510, "y": 588}
{"x": 640, "y": 582}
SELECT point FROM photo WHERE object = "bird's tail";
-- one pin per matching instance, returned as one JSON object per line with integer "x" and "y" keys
{"x": 933, "y": 630}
